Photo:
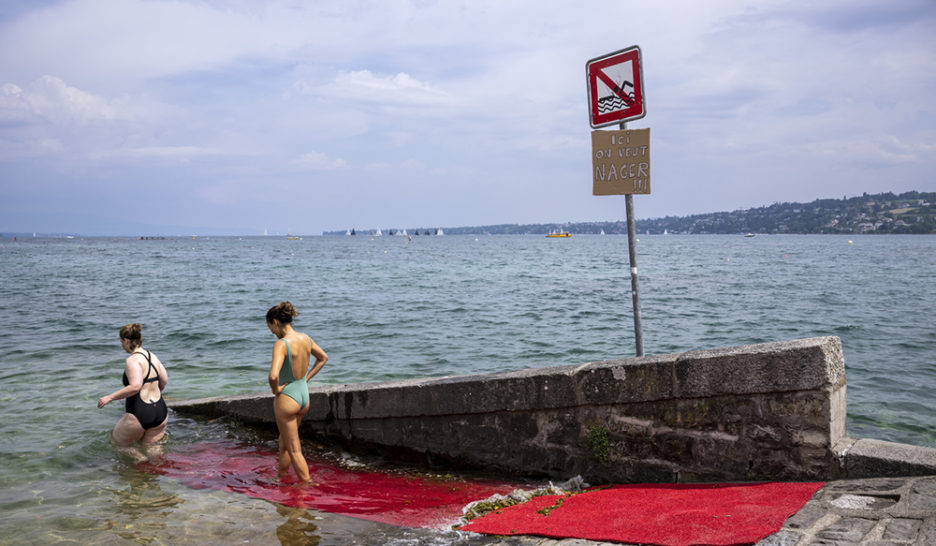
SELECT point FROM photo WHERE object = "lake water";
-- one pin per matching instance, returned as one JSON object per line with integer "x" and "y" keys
{"x": 386, "y": 308}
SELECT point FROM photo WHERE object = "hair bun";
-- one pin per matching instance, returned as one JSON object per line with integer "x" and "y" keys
{"x": 284, "y": 313}
{"x": 132, "y": 331}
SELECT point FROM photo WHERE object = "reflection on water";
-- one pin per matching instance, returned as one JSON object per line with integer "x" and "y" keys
{"x": 298, "y": 527}
{"x": 142, "y": 507}
{"x": 115, "y": 502}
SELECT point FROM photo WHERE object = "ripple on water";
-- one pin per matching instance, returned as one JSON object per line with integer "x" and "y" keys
{"x": 437, "y": 306}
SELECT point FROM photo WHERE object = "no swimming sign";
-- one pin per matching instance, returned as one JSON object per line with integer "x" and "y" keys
{"x": 615, "y": 87}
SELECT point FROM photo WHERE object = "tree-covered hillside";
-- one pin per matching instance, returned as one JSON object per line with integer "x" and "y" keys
{"x": 910, "y": 212}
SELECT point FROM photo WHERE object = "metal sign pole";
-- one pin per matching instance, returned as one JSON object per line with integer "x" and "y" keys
{"x": 616, "y": 95}
{"x": 632, "y": 251}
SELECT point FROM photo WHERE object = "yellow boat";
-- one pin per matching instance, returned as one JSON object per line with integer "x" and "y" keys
{"x": 558, "y": 234}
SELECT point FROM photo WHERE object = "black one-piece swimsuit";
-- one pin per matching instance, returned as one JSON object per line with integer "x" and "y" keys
{"x": 149, "y": 415}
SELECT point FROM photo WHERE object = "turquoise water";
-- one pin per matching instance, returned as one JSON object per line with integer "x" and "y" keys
{"x": 384, "y": 308}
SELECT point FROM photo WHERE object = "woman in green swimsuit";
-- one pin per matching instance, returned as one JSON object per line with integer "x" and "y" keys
{"x": 289, "y": 376}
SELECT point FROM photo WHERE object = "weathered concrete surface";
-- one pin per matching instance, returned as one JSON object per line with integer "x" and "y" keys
{"x": 768, "y": 411}
{"x": 878, "y": 511}
{"x": 866, "y": 458}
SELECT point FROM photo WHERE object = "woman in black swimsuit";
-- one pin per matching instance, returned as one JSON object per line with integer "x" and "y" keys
{"x": 144, "y": 379}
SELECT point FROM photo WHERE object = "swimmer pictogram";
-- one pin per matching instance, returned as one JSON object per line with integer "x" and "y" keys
{"x": 621, "y": 97}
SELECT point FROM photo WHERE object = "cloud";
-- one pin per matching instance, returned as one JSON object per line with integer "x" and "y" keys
{"x": 320, "y": 162}
{"x": 407, "y": 169}
{"x": 28, "y": 147}
{"x": 362, "y": 87}
{"x": 173, "y": 153}
{"x": 129, "y": 42}
{"x": 49, "y": 117}
{"x": 879, "y": 151}
{"x": 49, "y": 99}
{"x": 400, "y": 138}
{"x": 439, "y": 98}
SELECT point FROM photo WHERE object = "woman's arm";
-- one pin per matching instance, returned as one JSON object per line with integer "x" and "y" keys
{"x": 279, "y": 356}
{"x": 134, "y": 377}
{"x": 320, "y": 359}
{"x": 162, "y": 373}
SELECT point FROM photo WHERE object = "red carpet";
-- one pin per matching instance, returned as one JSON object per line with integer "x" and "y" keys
{"x": 397, "y": 499}
{"x": 664, "y": 514}
{"x": 650, "y": 514}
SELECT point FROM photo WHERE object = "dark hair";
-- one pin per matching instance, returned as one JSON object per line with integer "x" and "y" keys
{"x": 284, "y": 313}
{"x": 133, "y": 333}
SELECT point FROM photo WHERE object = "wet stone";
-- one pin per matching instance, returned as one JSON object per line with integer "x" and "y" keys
{"x": 926, "y": 486}
{"x": 902, "y": 529}
{"x": 922, "y": 496}
{"x": 783, "y": 538}
{"x": 848, "y": 530}
{"x": 866, "y": 485}
{"x": 927, "y": 534}
{"x": 863, "y": 502}
{"x": 806, "y": 517}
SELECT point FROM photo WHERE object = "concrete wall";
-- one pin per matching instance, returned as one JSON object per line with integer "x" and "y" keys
{"x": 771, "y": 411}
{"x": 866, "y": 458}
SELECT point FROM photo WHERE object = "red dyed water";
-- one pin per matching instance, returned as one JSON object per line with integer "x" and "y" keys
{"x": 397, "y": 499}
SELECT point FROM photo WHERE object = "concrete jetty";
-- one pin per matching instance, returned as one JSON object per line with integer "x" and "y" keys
{"x": 772, "y": 411}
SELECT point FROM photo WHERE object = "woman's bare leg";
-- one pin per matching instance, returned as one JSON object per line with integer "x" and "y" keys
{"x": 285, "y": 461}
{"x": 151, "y": 440}
{"x": 287, "y": 414}
{"x": 127, "y": 431}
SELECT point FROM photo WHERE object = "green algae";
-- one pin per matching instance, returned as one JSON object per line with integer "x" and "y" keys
{"x": 598, "y": 441}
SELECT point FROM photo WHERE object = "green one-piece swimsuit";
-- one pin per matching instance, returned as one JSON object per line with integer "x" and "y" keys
{"x": 297, "y": 389}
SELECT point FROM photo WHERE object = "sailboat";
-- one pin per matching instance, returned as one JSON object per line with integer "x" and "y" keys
{"x": 602, "y": 232}
{"x": 379, "y": 233}
{"x": 440, "y": 232}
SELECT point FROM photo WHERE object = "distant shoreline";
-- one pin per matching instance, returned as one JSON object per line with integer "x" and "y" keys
{"x": 9, "y": 237}
{"x": 907, "y": 213}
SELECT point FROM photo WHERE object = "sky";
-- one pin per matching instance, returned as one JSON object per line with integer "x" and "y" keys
{"x": 142, "y": 117}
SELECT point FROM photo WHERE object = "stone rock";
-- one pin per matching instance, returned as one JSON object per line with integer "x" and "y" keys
{"x": 847, "y": 530}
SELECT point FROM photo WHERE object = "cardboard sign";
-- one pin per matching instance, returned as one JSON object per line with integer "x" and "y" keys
{"x": 621, "y": 162}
